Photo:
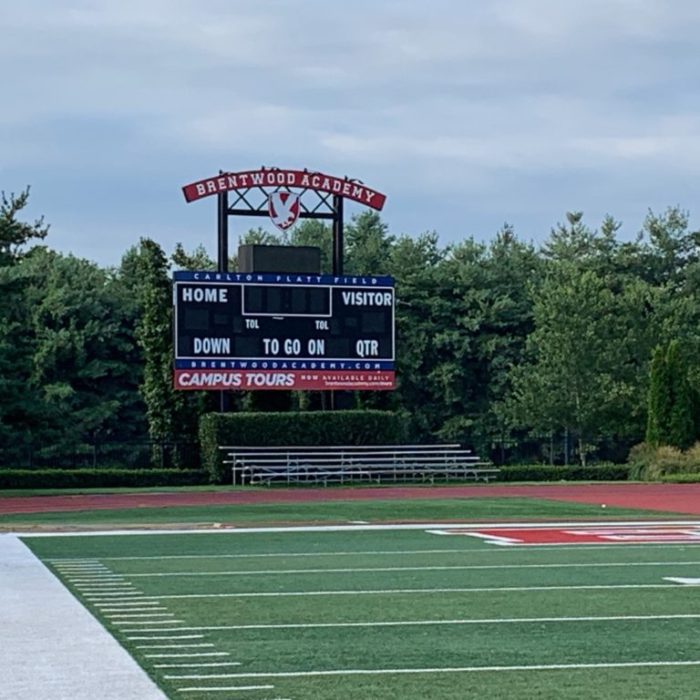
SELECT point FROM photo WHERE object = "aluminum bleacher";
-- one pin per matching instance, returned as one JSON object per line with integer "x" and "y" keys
{"x": 354, "y": 463}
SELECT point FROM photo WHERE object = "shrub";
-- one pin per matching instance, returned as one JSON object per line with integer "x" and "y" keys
{"x": 651, "y": 463}
{"x": 639, "y": 459}
{"x": 541, "y": 472}
{"x": 294, "y": 429}
{"x": 92, "y": 478}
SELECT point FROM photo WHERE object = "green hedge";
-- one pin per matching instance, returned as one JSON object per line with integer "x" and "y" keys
{"x": 298, "y": 429}
{"x": 541, "y": 472}
{"x": 688, "y": 478}
{"x": 90, "y": 478}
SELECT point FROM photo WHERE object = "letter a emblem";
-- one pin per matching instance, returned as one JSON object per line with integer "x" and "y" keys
{"x": 283, "y": 208}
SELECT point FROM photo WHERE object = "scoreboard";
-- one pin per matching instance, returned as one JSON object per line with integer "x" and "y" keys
{"x": 253, "y": 331}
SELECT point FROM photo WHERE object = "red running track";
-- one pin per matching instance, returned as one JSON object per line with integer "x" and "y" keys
{"x": 668, "y": 498}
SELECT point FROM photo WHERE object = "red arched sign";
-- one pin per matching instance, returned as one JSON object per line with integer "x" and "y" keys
{"x": 275, "y": 177}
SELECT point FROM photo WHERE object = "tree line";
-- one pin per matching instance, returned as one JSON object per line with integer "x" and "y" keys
{"x": 505, "y": 342}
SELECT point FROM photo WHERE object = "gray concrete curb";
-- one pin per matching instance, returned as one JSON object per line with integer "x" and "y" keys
{"x": 51, "y": 646}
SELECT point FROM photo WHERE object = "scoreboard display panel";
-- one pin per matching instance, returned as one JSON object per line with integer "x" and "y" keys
{"x": 253, "y": 331}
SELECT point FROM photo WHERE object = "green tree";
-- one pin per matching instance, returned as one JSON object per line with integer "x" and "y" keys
{"x": 659, "y": 402}
{"x": 414, "y": 263}
{"x": 368, "y": 245}
{"x": 681, "y": 426}
{"x": 15, "y": 234}
{"x": 154, "y": 337}
{"x": 198, "y": 259}
{"x": 587, "y": 350}
{"x": 19, "y": 414}
{"x": 83, "y": 354}
{"x": 312, "y": 232}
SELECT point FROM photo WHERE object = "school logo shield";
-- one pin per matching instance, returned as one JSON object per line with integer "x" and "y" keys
{"x": 283, "y": 208}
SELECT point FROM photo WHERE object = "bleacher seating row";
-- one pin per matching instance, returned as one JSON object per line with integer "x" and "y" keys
{"x": 354, "y": 463}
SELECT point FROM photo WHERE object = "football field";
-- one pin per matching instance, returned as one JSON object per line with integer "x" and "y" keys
{"x": 561, "y": 610}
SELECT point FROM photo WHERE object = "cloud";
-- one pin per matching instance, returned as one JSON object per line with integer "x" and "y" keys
{"x": 520, "y": 106}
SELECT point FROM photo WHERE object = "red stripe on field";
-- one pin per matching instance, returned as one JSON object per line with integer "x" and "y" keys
{"x": 619, "y": 534}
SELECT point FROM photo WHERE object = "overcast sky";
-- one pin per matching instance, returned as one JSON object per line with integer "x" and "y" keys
{"x": 466, "y": 113}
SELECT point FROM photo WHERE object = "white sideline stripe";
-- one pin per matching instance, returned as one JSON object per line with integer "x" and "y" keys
{"x": 410, "y": 591}
{"x": 186, "y": 656}
{"x": 458, "y": 567}
{"x": 462, "y": 621}
{"x": 230, "y": 687}
{"x": 212, "y": 664}
{"x": 169, "y": 638}
{"x": 174, "y": 646}
{"x": 454, "y": 669}
{"x": 372, "y": 528}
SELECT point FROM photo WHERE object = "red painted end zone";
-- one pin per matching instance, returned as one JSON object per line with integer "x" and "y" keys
{"x": 585, "y": 534}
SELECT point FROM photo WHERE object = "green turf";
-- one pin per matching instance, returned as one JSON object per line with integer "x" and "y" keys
{"x": 397, "y": 577}
{"x": 433, "y": 510}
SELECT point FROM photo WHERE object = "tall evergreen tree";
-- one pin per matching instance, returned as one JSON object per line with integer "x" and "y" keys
{"x": 659, "y": 401}
{"x": 19, "y": 407}
{"x": 681, "y": 426}
{"x": 154, "y": 336}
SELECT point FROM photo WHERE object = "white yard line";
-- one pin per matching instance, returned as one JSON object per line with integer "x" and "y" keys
{"x": 416, "y": 623}
{"x": 370, "y": 528}
{"x": 58, "y": 649}
{"x": 283, "y": 554}
{"x": 387, "y": 569}
{"x": 554, "y": 548}
{"x": 456, "y": 669}
{"x": 413, "y": 591}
